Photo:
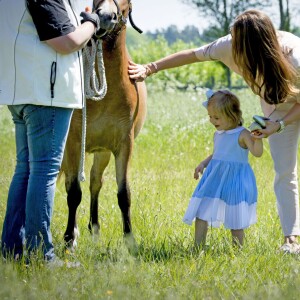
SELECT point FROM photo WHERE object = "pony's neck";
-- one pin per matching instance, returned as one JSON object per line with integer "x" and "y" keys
{"x": 115, "y": 52}
{"x": 116, "y": 45}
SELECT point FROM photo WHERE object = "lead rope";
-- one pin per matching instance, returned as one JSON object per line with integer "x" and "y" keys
{"x": 95, "y": 89}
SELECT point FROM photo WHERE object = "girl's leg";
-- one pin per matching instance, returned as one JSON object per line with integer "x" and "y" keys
{"x": 47, "y": 129}
{"x": 201, "y": 228}
{"x": 284, "y": 147}
{"x": 237, "y": 237}
{"x": 13, "y": 233}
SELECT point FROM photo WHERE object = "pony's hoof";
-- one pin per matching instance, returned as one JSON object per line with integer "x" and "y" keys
{"x": 131, "y": 244}
{"x": 95, "y": 230}
{"x": 71, "y": 243}
{"x": 71, "y": 246}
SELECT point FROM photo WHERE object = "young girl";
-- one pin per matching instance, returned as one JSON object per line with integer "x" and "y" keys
{"x": 227, "y": 191}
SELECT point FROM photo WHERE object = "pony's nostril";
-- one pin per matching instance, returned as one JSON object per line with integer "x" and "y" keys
{"x": 114, "y": 17}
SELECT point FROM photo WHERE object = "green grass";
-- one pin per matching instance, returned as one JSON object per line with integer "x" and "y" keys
{"x": 175, "y": 138}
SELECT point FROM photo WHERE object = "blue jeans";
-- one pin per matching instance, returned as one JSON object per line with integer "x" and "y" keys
{"x": 41, "y": 134}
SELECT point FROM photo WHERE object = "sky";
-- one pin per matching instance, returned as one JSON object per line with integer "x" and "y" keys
{"x": 150, "y": 15}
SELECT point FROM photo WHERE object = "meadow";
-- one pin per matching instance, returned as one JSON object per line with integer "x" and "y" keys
{"x": 175, "y": 138}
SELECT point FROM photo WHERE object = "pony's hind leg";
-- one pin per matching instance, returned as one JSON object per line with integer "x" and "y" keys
{"x": 74, "y": 198}
{"x": 124, "y": 196}
{"x": 70, "y": 167}
{"x": 101, "y": 160}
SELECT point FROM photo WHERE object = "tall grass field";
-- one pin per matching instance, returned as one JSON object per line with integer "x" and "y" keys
{"x": 176, "y": 137}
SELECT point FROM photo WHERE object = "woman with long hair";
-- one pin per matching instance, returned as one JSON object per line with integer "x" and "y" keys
{"x": 268, "y": 60}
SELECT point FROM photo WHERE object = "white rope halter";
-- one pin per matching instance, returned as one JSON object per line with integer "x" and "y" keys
{"x": 95, "y": 89}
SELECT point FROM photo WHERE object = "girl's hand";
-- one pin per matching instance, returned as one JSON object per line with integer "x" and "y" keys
{"x": 137, "y": 72}
{"x": 199, "y": 169}
{"x": 271, "y": 127}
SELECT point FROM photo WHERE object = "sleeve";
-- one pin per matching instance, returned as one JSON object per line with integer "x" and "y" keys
{"x": 50, "y": 18}
{"x": 217, "y": 50}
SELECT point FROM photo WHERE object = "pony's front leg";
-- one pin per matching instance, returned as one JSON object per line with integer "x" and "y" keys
{"x": 124, "y": 197}
{"x": 74, "y": 198}
{"x": 101, "y": 160}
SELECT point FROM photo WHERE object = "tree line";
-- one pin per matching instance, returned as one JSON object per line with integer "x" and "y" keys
{"x": 154, "y": 45}
{"x": 220, "y": 14}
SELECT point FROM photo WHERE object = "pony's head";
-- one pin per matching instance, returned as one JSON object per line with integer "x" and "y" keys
{"x": 113, "y": 15}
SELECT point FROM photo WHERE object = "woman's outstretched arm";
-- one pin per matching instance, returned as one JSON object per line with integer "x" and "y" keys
{"x": 140, "y": 72}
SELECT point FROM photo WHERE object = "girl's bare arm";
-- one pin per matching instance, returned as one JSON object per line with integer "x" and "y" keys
{"x": 254, "y": 145}
{"x": 200, "y": 168}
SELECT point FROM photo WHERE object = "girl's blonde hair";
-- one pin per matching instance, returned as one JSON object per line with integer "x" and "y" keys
{"x": 227, "y": 104}
{"x": 264, "y": 64}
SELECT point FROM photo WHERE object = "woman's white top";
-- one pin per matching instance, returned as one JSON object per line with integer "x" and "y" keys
{"x": 31, "y": 72}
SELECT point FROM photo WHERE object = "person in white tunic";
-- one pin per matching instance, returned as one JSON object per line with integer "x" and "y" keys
{"x": 41, "y": 81}
{"x": 227, "y": 191}
{"x": 269, "y": 61}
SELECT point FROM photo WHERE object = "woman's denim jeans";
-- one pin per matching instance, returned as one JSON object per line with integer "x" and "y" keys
{"x": 41, "y": 134}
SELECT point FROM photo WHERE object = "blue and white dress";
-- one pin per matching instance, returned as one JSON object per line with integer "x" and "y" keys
{"x": 227, "y": 191}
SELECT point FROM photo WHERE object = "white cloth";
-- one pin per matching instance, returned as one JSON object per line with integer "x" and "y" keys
{"x": 232, "y": 216}
{"x": 25, "y": 61}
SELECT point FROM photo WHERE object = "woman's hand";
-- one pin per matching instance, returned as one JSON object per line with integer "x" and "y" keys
{"x": 271, "y": 127}
{"x": 137, "y": 72}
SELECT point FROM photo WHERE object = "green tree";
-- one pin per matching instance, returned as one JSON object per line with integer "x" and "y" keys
{"x": 190, "y": 34}
{"x": 220, "y": 14}
{"x": 172, "y": 34}
{"x": 134, "y": 39}
{"x": 285, "y": 17}
{"x": 288, "y": 11}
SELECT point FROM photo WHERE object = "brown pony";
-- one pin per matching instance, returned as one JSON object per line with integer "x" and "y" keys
{"x": 112, "y": 125}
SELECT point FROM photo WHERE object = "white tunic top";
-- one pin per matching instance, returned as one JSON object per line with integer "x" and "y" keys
{"x": 27, "y": 64}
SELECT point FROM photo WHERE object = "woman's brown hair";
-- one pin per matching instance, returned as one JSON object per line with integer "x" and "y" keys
{"x": 264, "y": 64}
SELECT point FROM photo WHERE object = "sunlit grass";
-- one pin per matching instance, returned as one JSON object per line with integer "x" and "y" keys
{"x": 176, "y": 136}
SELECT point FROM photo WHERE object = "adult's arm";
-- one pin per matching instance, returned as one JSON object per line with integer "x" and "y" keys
{"x": 54, "y": 27}
{"x": 217, "y": 50}
{"x": 178, "y": 59}
{"x": 272, "y": 127}
{"x": 140, "y": 72}
{"x": 73, "y": 41}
